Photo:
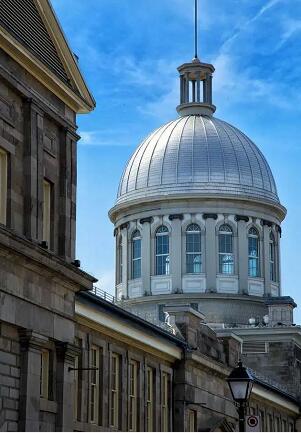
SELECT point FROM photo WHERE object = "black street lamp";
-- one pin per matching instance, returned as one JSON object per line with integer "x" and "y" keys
{"x": 240, "y": 382}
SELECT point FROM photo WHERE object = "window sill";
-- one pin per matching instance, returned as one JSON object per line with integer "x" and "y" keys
{"x": 48, "y": 405}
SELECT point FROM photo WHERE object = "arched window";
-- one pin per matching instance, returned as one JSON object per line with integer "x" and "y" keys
{"x": 272, "y": 258}
{"x": 225, "y": 250}
{"x": 193, "y": 249}
{"x": 136, "y": 255}
{"x": 253, "y": 252}
{"x": 119, "y": 261}
{"x": 162, "y": 251}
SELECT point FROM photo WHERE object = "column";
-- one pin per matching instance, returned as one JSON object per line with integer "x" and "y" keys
{"x": 125, "y": 264}
{"x": 66, "y": 354}
{"x": 199, "y": 88}
{"x": 211, "y": 253}
{"x": 266, "y": 257}
{"x": 175, "y": 249}
{"x": 186, "y": 88}
{"x": 146, "y": 255}
{"x": 242, "y": 254}
{"x": 31, "y": 345}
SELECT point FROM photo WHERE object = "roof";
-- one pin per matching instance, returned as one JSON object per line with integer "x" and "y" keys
{"x": 106, "y": 306}
{"x": 197, "y": 154}
{"x": 31, "y": 34}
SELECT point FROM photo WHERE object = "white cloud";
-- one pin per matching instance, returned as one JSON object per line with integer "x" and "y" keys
{"x": 244, "y": 26}
{"x": 291, "y": 28}
{"x": 104, "y": 138}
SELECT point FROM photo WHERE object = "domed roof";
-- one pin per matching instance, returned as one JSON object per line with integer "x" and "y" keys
{"x": 197, "y": 155}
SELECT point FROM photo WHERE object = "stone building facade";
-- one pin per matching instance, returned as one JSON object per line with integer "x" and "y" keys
{"x": 69, "y": 360}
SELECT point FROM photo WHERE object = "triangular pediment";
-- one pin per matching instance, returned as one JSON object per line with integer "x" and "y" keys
{"x": 33, "y": 27}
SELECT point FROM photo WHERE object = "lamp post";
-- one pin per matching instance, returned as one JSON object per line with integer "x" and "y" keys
{"x": 240, "y": 382}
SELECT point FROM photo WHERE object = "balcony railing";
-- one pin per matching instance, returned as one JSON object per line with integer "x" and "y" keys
{"x": 148, "y": 317}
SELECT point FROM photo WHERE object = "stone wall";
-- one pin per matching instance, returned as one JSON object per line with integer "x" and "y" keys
{"x": 9, "y": 377}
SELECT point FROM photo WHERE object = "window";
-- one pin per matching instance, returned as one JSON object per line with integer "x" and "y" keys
{"x": 284, "y": 425}
{"x": 165, "y": 401}
{"x": 133, "y": 396}
{"x": 162, "y": 251}
{"x": 3, "y": 186}
{"x": 115, "y": 391}
{"x": 270, "y": 425}
{"x": 272, "y": 258}
{"x": 291, "y": 427}
{"x": 225, "y": 248}
{"x": 44, "y": 374}
{"x": 136, "y": 255}
{"x": 150, "y": 399}
{"x": 119, "y": 261}
{"x": 277, "y": 424}
{"x": 47, "y": 199}
{"x": 261, "y": 414}
{"x": 193, "y": 250}
{"x": 253, "y": 245}
{"x": 94, "y": 385}
{"x": 192, "y": 420}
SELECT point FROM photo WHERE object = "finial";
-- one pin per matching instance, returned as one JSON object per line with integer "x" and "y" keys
{"x": 195, "y": 29}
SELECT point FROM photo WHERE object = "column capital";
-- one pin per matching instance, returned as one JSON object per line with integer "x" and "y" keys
{"x": 267, "y": 223}
{"x": 67, "y": 351}
{"x": 210, "y": 215}
{"x": 31, "y": 339}
{"x": 242, "y": 218}
{"x": 146, "y": 220}
{"x": 176, "y": 217}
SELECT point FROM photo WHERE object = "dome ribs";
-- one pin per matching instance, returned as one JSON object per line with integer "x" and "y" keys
{"x": 232, "y": 170}
{"x": 197, "y": 155}
{"x": 170, "y": 158}
{"x": 185, "y": 153}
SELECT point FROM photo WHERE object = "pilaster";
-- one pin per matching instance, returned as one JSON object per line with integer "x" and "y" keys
{"x": 242, "y": 256}
{"x": 31, "y": 346}
{"x": 33, "y": 170}
{"x": 210, "y": 252}
{"x": 146, "y": 258}
{"x": 176, "y": 253}
{"x": 125, "y": 263}
{"x": 266, "y": 259}
{"x": 66, "y": 354}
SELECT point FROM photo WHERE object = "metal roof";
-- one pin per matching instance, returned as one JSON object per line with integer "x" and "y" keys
{"x": 197, "y": 155}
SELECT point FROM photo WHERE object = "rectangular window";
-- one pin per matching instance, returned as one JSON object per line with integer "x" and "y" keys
{"x": 47, "y": 208}
{"x": 133, "y": 395}
{"x": 44, "y": 374}
{"x": 94, "y": 385}
{"x": 3, "y": 186}
{"x": 115, "y": 391}
{"x": 284, "y": 425}
{"x": 270, "y": 425}
{"x": 165, "y": 401}
{"x": 192, "y": 420}
{"x": 150, "y": 403}
{"x": 261, "y": 414}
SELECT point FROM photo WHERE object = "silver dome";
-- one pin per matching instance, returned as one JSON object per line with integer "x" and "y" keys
{"x": 198, "y": 155}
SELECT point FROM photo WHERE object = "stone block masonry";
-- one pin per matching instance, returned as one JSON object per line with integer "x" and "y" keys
{"x": 9, "y": 377}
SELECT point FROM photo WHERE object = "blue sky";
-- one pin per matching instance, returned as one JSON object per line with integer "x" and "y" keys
{"x": 129, "y": 51}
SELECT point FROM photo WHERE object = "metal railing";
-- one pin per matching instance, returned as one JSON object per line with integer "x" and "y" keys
{"x": 148, "y": 317}
{"x": 103, "y": 295}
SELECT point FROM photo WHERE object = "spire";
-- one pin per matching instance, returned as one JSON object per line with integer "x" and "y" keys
{"x": 196, "y": 82}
